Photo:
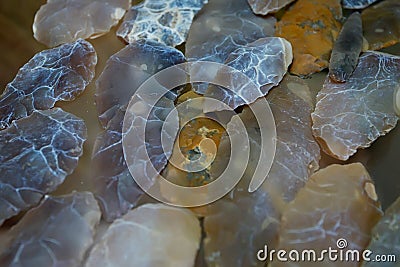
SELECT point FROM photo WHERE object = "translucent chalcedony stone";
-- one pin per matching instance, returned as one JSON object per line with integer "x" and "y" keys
{"x": 150, "y": 235}
{"x": 311, "y": 26}
{"x": 381, "y": 24}
{"x": 357, "y": 4}
{"x": 223, "y": 26}
{"x": 124, "y": 73}
{"x": 164, "y": 21}
{"x": 126, "y": 70}
{"x": 239, "y": 225}
{"x": 56, "y": 233}
{"x": 58, "y": 74}
{"x": 386, "y": 237}
{"x": 337, "y": 209}
{"x": 352, "y": 115}
{"x": 263, "y": 7}
{"x": 346, "y": 49}
{"x": 114, "y": 186}
{"x": 64, "y": 21}
{"x": 36, "y": 154}
{"x": 264, "y": 61}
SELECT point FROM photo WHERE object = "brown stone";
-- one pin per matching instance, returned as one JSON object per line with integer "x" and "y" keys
{"x": 150, "y": 235}
{"x": 381, "y": 24}
{"x": 56, "y": 233}
{"x": 352, "y": 115}
{"x": 63, "y": 21}
{"x": 335, "y": 204}
{"x": 311, "y": 26}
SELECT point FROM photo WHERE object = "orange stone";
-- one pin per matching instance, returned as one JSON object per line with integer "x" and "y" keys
{"x": 190, "y": 142}
{"x": 311, "y": 26}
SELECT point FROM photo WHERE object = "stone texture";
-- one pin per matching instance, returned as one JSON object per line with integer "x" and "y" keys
{"x": 150, "y": 235}
{"x": 397, "y": 101}
{"x": 337, "y": 202}
{"x": 196, "y": 127}
{"x": 56, "y": 233}
{"x": 241, "y": 223}
{"x": 114, "y": 187}
{"x": 221, "y": 27}
{"x": 127, "y": 70}
{"x": 264, "y": 7}
{"x": 386, "y": 236}
{"x": 36, "y": 154}
{"x": 264, "y": 61}
{"x": 346, "y": 49}
{"x": 381, "y": 24}
{"x": 352, "y": 115}
{"x": 357, "y": 4}
{"x": 164, "y": 21}
{"x": 58, "y": 74}
{"x": 311, "y": 26}
{"x": 64, "y": 21}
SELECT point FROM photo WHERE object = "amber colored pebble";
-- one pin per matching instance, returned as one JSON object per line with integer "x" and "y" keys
{"x": 311, "y": 26}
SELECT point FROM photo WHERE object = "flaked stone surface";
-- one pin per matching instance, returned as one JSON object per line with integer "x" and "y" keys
{"x": 56, "y": 233}
{"x": 148, "y": 137}
{"x": 127, "y": 70}
{"x": 242, "y": 223}
{"x": 386, "y": 236}
{"x": 311, "y": 26}
{"x": 150, "y": 235}
{"x": 352, "y": 115}
{"x": 114, "y": 186}
{"x": 64, "y": 21}
{"x": 223, "y": 26}
{"x": 164, "y": 21}
{"x": 264, "y": 61}
{"x": 346, "y": 49}
{"x": 397, "y": 101}
{"x": 58, "y": 74}
{"x": 357, "y": 4}
{"x": 338, "y": 202}
{"x": 264, "y": 7}
{"x": 381, "y": 24}
{"x": 36, "y": 154}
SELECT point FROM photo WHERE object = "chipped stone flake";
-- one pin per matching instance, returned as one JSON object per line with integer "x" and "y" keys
{"x": 63, "y": 21}
{"x": 127, "y": 70}
{"x": 124, "y": 74}
{"x": 113, "y": 184}
{"x": 357, "y": 4}
{"x": 223, "y": 26}
{"x": 333, "y": 205}
{"x": 36, "y": 154}
{"x": 150, "y": 235}
{"x": 264, "y": 7}
{"x": 253, "y": 218}
{"x": 311, "y": 26}
{"x": 352, "y": 115}
{"x": 346, "y": 49}
{"x": 386, "y": 236}
{"x": 381, "y": 24}
{"x": 164, "y": 21}
{"x": 264, "y": 61}
{"x": 58, "y": 74}
{"x": 56, "y": 233}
